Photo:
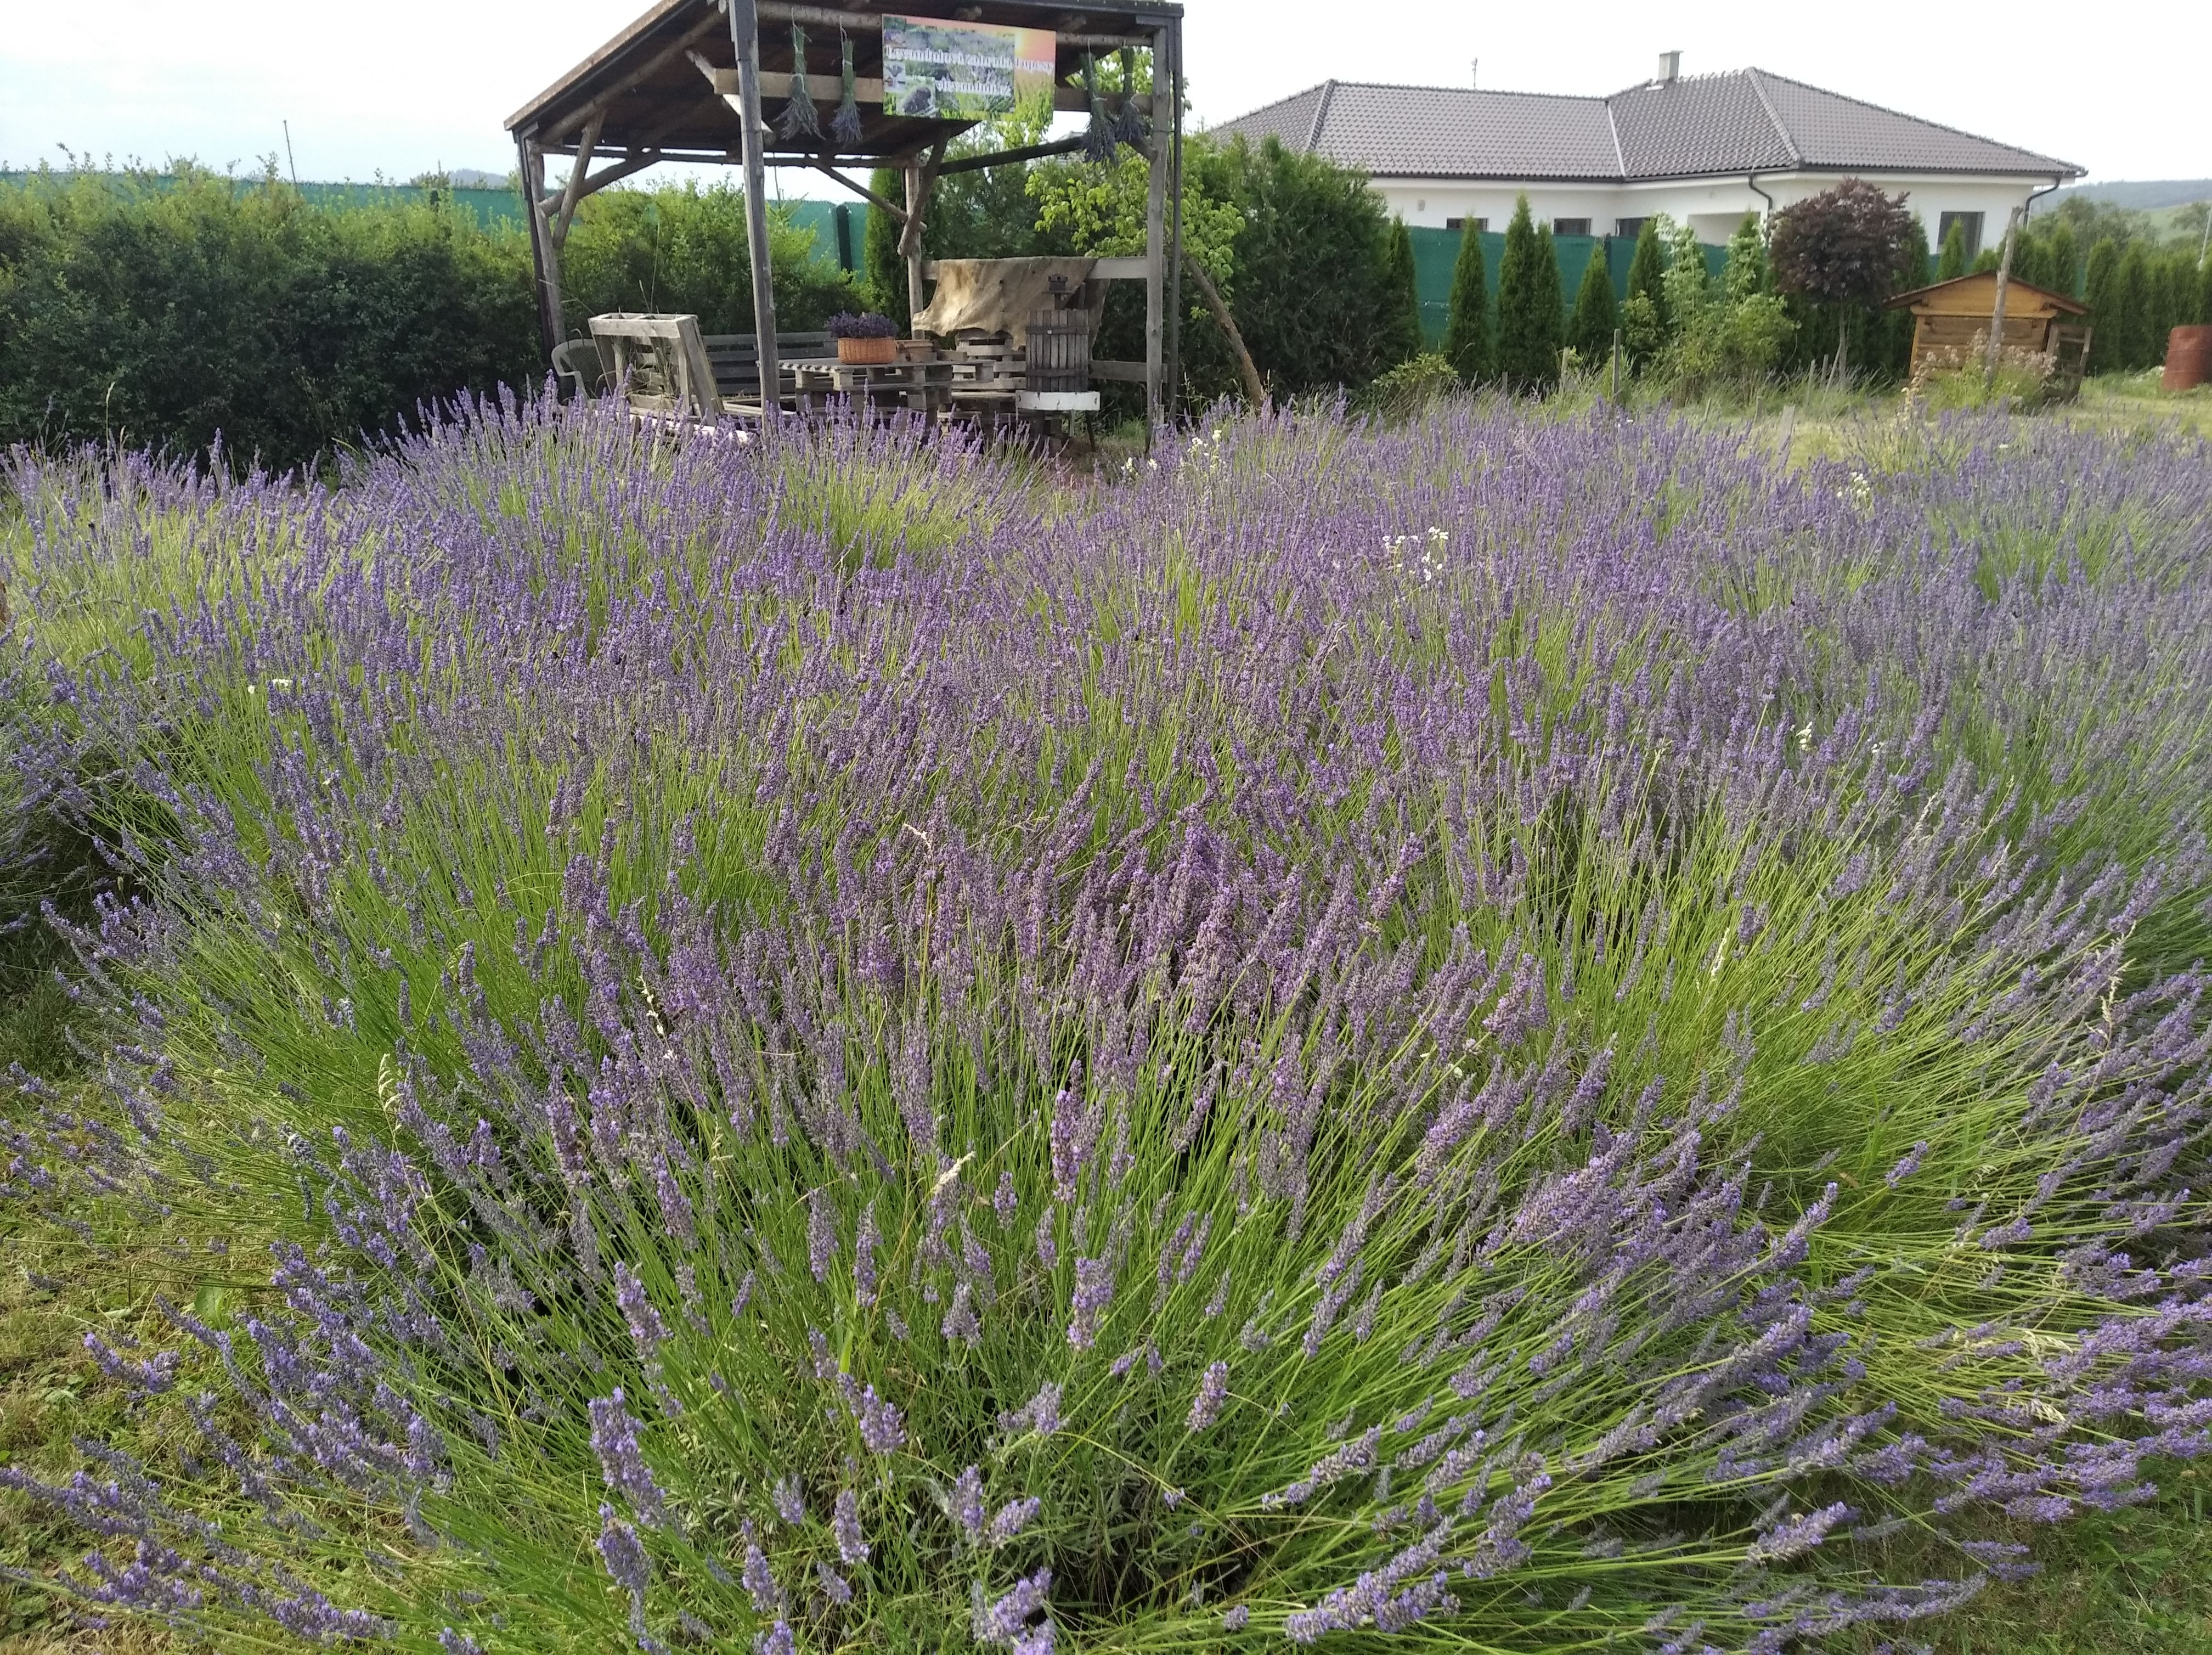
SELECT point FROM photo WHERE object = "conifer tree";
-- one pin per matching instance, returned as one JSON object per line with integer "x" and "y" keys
{"x": 2101, "y": 291}
{"x": 1399, "y": 329}
{"x": 879, "y": 254}
{"x": 1746, "y": 272}
{"x": 1952, "y": 261}
{"x": 1466, "y": 327}
{"x": 1647, "y": 268}
{"x": 1589, "y": 331}
{"x": 2136, "y": 303}
{"x": 2062, "y": 257}
{"x": 1529, "y": 319}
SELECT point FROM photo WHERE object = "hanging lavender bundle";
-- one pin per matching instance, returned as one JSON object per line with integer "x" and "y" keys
{"x": 1099, "y": 138}
{"x": 845, "y": 126}
{"x": 797, "y": 120}
{"x": 1130, "y": 126}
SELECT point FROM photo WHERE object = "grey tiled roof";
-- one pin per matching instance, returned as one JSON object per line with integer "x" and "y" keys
{"x": 1745, "y": 120}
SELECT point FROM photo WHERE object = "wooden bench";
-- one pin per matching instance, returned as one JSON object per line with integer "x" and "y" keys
{"x": 670, "y": 366}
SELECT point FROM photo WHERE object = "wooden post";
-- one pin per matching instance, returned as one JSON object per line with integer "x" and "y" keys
{"x": 745, "y": 35}
{"x": 1997, "y": 310}
{"x": 545, "y": 257}
{"x": 914, "y": 299}
{"x": 1171, "y": 50}
{"x": 1156, "y": 204}
{"x": 1254, "y": 387}
{"x": 1616, "y": 364}
{"x": 920, "y": 182}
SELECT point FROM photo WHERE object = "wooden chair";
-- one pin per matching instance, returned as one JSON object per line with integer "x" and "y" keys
{"x": 660, "y": 360}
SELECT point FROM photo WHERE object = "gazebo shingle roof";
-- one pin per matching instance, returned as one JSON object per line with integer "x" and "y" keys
{"x": 1704, "y": 125}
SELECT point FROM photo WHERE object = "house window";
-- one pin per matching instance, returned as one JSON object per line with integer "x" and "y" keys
{"x": 1570, "y": 227}
{"x": 1630, "y": 226}
{"x": 1970, "y": 222}
{"x": 1480, "y": 226}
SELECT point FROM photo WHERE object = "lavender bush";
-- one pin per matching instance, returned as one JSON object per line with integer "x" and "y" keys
{"x": 1507, "y": 1033}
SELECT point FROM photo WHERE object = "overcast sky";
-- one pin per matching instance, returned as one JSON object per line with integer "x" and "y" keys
{"x": 403, "y": 86}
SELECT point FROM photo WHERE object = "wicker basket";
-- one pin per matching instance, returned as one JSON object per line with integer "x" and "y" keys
{"x": 871, "y": 352}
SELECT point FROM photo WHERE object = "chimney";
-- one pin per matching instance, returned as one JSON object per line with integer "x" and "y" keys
{"x": 1474, "y": 71}
{"x": 1670, "y": 68}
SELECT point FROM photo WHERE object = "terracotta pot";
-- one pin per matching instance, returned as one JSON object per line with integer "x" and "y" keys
{"x": 2188, "y": 358}
{"x": 875, "y": 352}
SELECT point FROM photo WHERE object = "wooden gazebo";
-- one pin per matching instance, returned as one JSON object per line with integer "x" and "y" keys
{"x": 1950, "y": 317}
{"x": 689, "y": 81}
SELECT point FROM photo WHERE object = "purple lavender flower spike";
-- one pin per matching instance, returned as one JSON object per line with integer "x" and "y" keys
{"x": 845, "y": 1526}
{"x": 621, "y": 1462}
{"x": 1212, "y": 1393}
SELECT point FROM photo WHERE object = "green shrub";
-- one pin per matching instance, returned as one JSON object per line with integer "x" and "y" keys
{"x": 1413, "y": 387}
{"x": 173, "y": 312}
{"x": 686, "y": 249}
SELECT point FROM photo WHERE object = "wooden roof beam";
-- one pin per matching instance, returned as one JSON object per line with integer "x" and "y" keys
{"x": 660, "y": 60}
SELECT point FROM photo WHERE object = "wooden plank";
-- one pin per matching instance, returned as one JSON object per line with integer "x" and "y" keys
{"x": 1119, "y": 372}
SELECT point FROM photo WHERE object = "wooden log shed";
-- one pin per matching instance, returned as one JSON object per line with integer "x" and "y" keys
{"x": 1951, "y": 317}
{"x": 689, "y": 81}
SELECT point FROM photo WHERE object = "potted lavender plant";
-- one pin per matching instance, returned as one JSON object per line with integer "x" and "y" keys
{"x": 866, "y": 338}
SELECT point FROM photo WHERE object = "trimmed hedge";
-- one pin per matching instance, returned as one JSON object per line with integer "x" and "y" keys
{"x": 177, "y": 311}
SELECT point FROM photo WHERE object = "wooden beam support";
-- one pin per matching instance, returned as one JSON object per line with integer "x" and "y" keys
{"x": 918, "y": 209}
{"x": 572, "y": 192}
{"x": 858, "y": 22}
{"x": 745, "y": 35}
{"x": 860, "y": 190}
{"x": 1007, "y": 157}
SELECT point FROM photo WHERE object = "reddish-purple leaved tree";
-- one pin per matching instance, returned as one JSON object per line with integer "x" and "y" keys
{"x": 1845, "y": 248}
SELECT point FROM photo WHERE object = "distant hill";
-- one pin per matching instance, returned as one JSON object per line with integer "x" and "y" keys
{"x": 2145, "y": 195}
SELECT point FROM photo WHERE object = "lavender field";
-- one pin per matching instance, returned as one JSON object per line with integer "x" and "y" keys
{"x": 1520, "y": 1032}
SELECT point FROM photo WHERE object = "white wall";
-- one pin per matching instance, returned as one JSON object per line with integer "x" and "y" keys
{"x": 1713, "y": 207}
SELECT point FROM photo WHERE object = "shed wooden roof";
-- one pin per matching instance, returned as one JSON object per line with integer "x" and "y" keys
{"x": 648, "y": 89}
{"x": 1976, "y": 294}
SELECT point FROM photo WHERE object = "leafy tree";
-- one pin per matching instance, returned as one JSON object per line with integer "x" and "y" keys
{"x": 2101, "y": 292}
{"x": 1529, "y": 319}
{"x": 1952, "y": 261}
{"x": 1589, "y": 331}
{"x": 1845, "y": 250}
{"x": 1400, "y": 327}
{"x": 1467, "y": 329}
{"x": 1300, "y": 244}
{"x": 1647, "y": 270}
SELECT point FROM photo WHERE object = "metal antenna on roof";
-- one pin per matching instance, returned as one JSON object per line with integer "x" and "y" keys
{"x": 1474, "y": 72}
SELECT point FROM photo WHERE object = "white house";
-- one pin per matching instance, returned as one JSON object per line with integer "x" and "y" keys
{"x": 1706, "y": 148}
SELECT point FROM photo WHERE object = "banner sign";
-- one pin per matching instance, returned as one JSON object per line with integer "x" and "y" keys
{"x": 940, "y": 69}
